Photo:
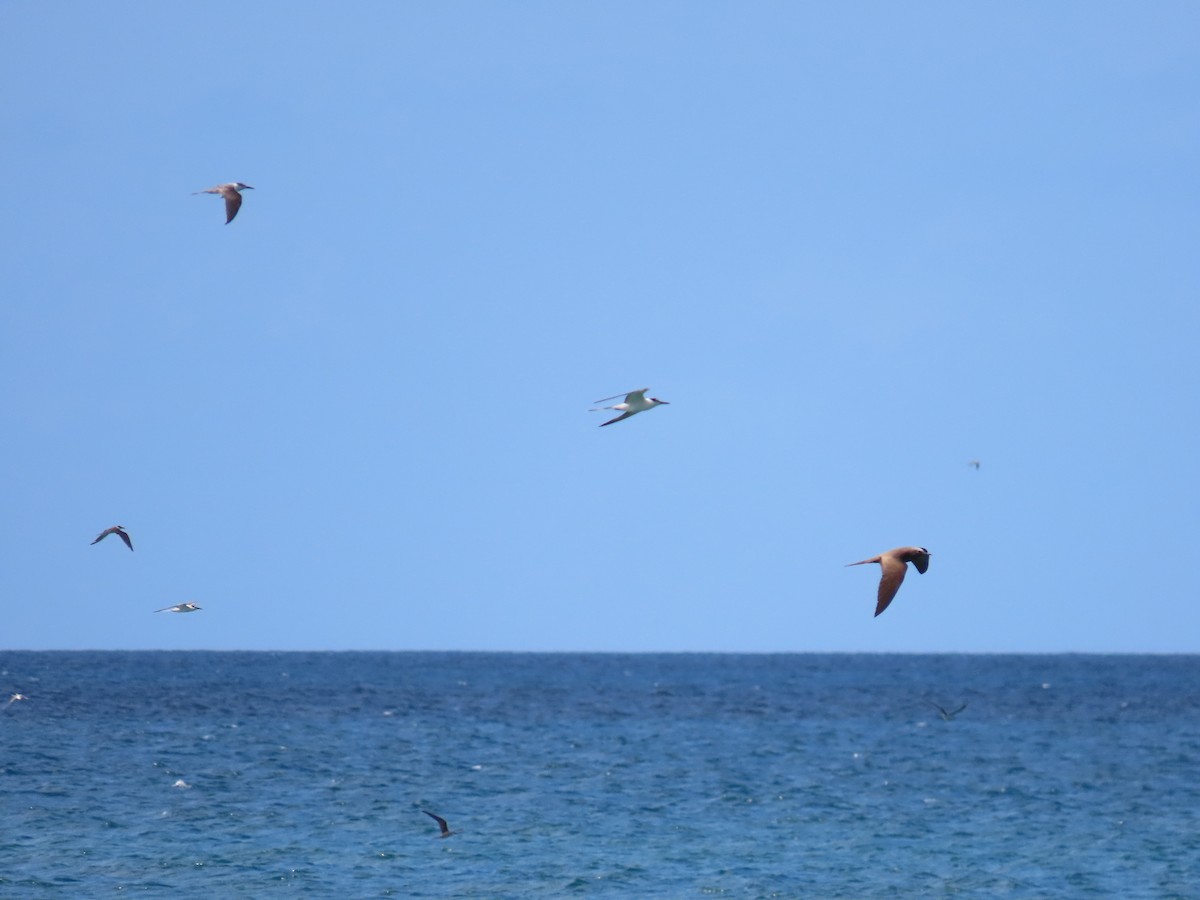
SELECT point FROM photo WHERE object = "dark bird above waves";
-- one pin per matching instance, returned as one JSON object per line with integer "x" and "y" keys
{"x": 894, "y": 565}
{"x": 446, "y": 832}
{"x": 943, "y": 712}
{"x": 117, "y": 530}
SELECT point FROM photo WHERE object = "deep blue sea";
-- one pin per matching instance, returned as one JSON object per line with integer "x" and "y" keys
{"x": 604, "y": 775}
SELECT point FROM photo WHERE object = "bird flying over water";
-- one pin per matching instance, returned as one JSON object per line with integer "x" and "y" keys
{"x": 635, "y": 402}
{"x": 446, "y": 832}
{"x": 117, "y": 530}
{"x": 947, "y": 715}
{"x": 180, "y": 607}
{"x": 232, "y": 195}
{"x": 13, "y": 699}
{"x": 894, "y": 564}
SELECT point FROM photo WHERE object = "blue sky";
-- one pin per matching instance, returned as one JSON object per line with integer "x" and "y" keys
{"x": 855, "y": 245}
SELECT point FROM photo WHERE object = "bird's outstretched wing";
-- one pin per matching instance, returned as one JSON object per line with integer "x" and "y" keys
{"x": 233, "y": 202}
{"x": 629, "y": 397}
{"x": 441, "y": 822}
{"x": 624, "y": 415}
{"x": 893, "y": 574}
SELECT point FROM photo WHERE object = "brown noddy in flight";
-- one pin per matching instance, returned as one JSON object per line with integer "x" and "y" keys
{"x": 635, "y": 402}
{"x": 117, "y": 530}
{"x": 446, "y": 832}
{"x": 894, "y": 564}
{"x": 232, "y": 195}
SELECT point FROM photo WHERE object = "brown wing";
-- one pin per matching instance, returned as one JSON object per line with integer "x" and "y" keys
{"x": 233, "y": 202}
{"x": 125, "y": 538}
{"x": 102, "y": 535}
{"x": 893, "y": 574}
{"x": 921, "y": 561}
{"x": 441, "y": 822}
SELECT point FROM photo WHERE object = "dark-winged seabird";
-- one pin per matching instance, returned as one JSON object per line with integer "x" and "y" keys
{"x": 635, "y": 402}
{"x": 118, "y": 530}
{"x": 894, "y": 565}
{"x": 180, "y": 607}
{"x": 943, "y": 712}
{"x": 233, "y": 199}
{"x": 446, "y": 832}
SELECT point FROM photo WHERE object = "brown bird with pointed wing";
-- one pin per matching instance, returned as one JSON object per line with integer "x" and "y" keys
{"x": 894, "y": 564}
{"x": 118, "y": 530}
{"x": 446, "y": 832}
{"x": 233, "y": 199}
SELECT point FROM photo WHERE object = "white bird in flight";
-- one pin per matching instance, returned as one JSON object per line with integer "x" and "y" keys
{"x": 232, "y": 195}
{"x": 180, "y": 607}
{"x": 635, "y": 402}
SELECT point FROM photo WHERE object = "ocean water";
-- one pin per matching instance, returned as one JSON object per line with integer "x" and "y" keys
{"x": 602, "y": 775}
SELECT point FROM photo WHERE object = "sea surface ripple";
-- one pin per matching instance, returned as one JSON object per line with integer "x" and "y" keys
{"x": 205, "y": 774}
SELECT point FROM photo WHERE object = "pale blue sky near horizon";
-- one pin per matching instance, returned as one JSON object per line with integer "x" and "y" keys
{"x": 855, "y": 245}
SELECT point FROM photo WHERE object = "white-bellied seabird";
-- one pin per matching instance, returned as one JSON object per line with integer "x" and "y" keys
{"x": 635, "y": 402}
{"x": 180, "y": 607}
{"x": 446, "y": 832}
{"x": 117, "y": 530}
{"x": 232, "y": 195}
{"x": 894, "y": 565}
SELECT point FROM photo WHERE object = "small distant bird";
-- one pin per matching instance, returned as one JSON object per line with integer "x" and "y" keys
{"x": 942, "y": 710}
{"x": 13, "y": 699}
{"x": 233, "y": 199}
{"x": 117, "y": 530}
{"x": 894, "y": 565}
{"x": 974, "y": 464}
{"x": 635, "y": 402}
{"x": 446, "y": 832}
{"x": 180, "y": 607}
